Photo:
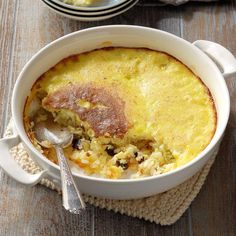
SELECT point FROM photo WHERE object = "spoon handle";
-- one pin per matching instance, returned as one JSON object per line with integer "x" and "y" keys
{"x": 72, "y": 199}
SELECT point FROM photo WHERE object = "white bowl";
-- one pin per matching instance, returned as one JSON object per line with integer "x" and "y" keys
{"x": 191, "y": 55}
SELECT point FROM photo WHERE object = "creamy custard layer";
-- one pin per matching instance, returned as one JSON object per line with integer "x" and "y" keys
{"x": 133, "y": 112}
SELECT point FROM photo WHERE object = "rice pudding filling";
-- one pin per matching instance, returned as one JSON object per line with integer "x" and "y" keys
{"x": 94, "y": 113}
{"x": 132, "y": 112}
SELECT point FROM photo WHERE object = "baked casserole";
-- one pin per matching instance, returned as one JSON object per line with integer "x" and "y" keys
{"x": 134, "y": 112}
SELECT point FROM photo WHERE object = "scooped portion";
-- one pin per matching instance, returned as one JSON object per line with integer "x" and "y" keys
{"x": 134, "y": 112}
{"x": 103, "y": 112}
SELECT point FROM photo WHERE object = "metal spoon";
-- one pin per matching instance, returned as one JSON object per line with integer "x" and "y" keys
{"x": 50, "y": 134}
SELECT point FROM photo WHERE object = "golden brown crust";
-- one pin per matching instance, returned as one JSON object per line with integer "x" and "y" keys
{"x": 110, "y": 48}
{"x": 105, "y": 115}
{"x": 77, "y": 57}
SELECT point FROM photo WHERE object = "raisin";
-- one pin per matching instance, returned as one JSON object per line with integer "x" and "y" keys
{"x": 76, "y": 144}
{"x": 110, "y": 149}
{"x": 124, "y": 166}
{"x": 141, "y": 160}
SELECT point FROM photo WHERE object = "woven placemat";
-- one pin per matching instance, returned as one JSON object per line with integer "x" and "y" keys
{"x": 165, "y": 208}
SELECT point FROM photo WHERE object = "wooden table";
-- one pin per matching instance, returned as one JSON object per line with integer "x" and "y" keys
{"x": 25, "y": 27}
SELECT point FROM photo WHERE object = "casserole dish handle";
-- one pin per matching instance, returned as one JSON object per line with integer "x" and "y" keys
{"x": 220, "y": 55}
{"x": 9, "y": 165}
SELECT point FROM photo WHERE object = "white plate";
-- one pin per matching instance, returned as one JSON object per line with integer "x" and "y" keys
{"x": 101, "y": 5}
{"x": 91, "y": 18}
{"x": 88, "y": 13}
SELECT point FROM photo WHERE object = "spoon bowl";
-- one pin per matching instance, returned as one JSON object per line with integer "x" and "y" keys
{"x": 49, "y": 133}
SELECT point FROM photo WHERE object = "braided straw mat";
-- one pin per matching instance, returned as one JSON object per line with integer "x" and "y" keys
{"x": 165, "y": 208}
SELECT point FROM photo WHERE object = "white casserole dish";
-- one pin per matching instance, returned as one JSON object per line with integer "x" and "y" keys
{"x": 196, "y": 56}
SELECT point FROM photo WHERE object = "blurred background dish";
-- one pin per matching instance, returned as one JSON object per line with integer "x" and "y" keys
{"x": 91, "y": 16}
{"x": 95, "y": 5}
{"x": 89, "y": 13}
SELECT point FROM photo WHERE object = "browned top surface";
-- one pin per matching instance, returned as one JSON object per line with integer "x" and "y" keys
{"x": 105, "y": 115}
